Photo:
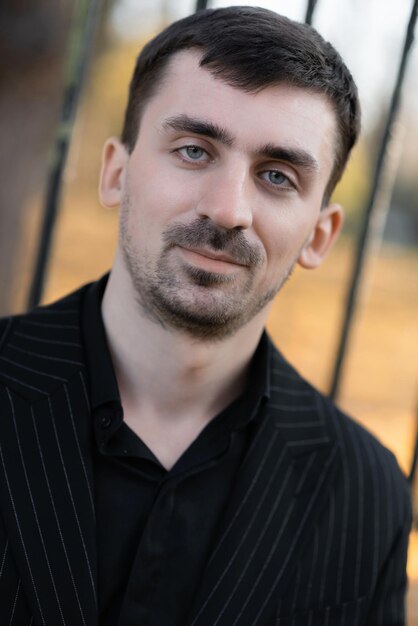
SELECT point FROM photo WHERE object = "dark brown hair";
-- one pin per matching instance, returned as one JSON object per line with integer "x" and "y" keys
{"x": 251, "y": 48}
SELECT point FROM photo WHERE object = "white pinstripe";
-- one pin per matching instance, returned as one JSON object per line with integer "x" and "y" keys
{"x": 48, "y": 325}
{"x": 20, "y": 534}
{"x": 43, "y": 311}
{"x": 393, "y": 606}
{"x": 48, "y": 341}
{"x": 33, "y": 506}
{"x": 55, "y": 513}
{"x": 391, "y": 530}
{"x": 250, "y": 489}
{"x": 16, "y": 380}
{"x": 360, "y": 501}
{"x": 296, "y": 588}
{"x": 399, "y": 503}
{"x": 383, "y": 606}
{"x": 72, "y": 501}
{"x": 4, "y": 558}
{"x": 14, "y": 603}
{"x": 278, "y": 371}
{"x": 304, "y": 442}
{"x": 44, "y": 356}
{"x": 343, "y": 532}
{"x": 293, "y": 409}
{"x": 285, "y": 521}
{"x": 30, "y": 369}
{"x": 250, "y": 525}
{"x": 313, "y": 567}
{"x": 306, "y": 471}
{"x": 86, "y": 395}
{"x": 289, "y": 511}
{"x": 376, "y": 522}
{"x": 327, "y": 553}
{"x": 291, "y": 392}
{"x": 79, "y": 449}
{"x": 297, "y": 425}
{"x": 295, "y": 540}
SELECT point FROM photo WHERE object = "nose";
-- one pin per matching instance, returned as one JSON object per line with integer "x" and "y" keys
{"x": 227, "y": 199}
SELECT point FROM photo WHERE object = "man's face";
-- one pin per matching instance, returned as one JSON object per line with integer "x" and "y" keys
{"x": 220, "y": 197}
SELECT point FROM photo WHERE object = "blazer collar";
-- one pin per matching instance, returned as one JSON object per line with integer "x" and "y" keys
{"x": 280, "y": 490}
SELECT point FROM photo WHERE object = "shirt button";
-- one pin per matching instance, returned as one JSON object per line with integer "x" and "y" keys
{"x": 105, "y": 421}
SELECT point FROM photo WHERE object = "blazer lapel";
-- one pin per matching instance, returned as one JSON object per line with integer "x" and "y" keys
{"x": 45, "y": 465}
{"x": 279, "y": 492}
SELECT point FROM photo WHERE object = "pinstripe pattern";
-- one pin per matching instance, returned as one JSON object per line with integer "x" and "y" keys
{"x": 13, "y": 604}
{"x": 349, "y": 547}
{"x": 27, "y": 562}
{"x": 67, "y": 560}
{"x": 44, "y": 356}
{"x": 50, "y": 524}
{"x": 31, "y": 369}
{"x": 71, "y": 496}
{"x": 80, "y": 454}
{"x": 314, "y": 533}
{"x": 22, "y": 458}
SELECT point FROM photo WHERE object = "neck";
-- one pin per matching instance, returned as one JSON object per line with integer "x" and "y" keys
{"x": 165, "y": 372}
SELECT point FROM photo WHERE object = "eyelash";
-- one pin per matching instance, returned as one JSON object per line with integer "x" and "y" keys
{"x": 189, "y": 160}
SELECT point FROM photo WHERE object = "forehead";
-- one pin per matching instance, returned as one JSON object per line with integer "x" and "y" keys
{"x": 279, "y": 114}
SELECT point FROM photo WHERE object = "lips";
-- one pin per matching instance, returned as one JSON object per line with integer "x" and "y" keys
{"x": 214, "y": 255}
{"x": 202, "y": 237}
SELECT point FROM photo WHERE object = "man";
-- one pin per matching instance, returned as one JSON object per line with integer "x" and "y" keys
{"x": 161, "y": 463}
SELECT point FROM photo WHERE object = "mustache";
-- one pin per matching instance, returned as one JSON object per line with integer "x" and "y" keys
{"x": 203, "y": 233}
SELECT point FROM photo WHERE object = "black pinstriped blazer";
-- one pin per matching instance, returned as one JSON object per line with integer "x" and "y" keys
{"x": 316, "y": 529}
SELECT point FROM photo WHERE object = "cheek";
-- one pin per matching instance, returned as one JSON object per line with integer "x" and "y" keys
{"x": 283, "y": 239}
{"x": 157, "y": 196}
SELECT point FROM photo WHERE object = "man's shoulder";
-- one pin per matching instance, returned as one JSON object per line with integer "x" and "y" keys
{"x": 62, "y": 314}
{"x": 42, "y": 347}
{"x": 361, "y": 453}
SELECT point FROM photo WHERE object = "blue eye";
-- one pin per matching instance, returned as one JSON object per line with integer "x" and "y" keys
{"x": 194, "y": 153}
{"x": 274, "y": 177}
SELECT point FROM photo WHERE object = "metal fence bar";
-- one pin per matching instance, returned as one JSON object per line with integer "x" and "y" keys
{"x": 201, "y": 4}
{"x": 80, "y": 46}
{"x": 310, "y": 11}
{"x": 414, "y": 462}
{"x": 370, "y": 209}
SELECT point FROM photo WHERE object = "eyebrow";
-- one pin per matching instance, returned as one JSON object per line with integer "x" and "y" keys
{"x": 293, "y": 156}
{"x": 185, "y": 123}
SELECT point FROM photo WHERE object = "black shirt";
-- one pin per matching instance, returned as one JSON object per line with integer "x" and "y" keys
{"x": 155, "y": 528}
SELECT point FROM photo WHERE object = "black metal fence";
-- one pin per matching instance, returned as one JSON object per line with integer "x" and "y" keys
{"x": 79, "y": 52}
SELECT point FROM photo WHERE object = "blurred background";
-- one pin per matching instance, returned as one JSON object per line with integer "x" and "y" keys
{"x": 38, "y": 50}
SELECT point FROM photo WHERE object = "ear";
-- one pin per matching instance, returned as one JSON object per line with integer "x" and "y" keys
{"x": 112, "y": 175}
{"x": 322, "y": 237}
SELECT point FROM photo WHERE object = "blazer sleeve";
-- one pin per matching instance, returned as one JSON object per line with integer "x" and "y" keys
{"x": 388, "y": 603}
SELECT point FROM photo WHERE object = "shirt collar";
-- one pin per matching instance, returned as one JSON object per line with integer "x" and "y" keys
{"x": 102, "y": 378}
{"x": 257, "y": 390}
